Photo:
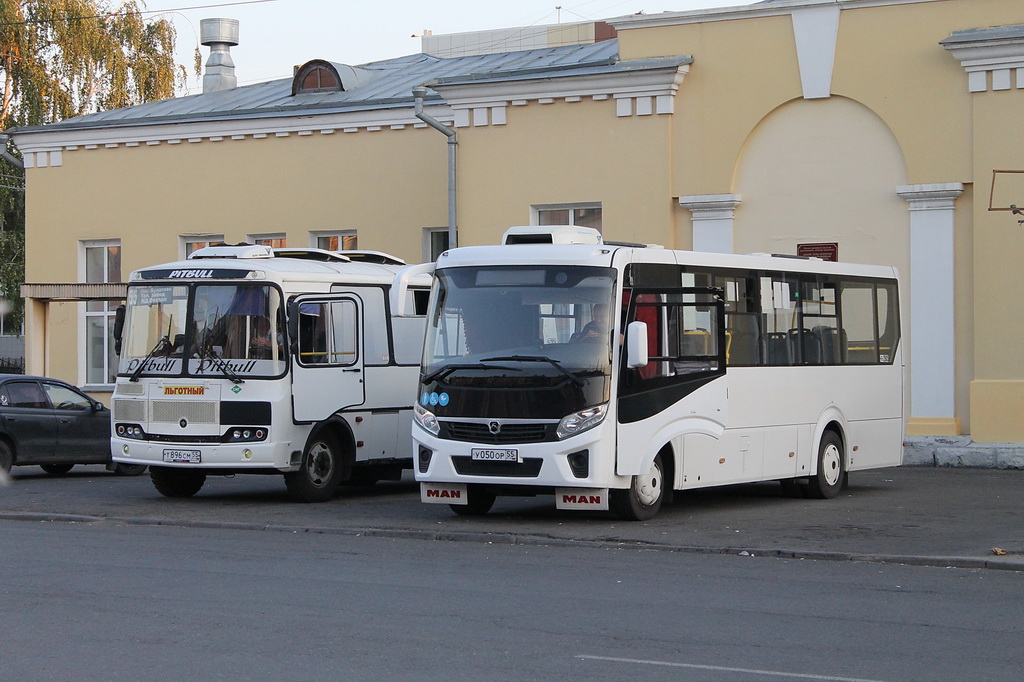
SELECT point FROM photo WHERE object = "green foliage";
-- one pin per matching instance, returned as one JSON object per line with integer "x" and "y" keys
{"x": 65, "y": 58}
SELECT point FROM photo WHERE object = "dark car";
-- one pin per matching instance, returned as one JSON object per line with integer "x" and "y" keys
{"x": 54, "y": 425}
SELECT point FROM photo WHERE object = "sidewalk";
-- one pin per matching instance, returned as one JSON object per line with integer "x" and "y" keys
{"x": 915, "y": 515}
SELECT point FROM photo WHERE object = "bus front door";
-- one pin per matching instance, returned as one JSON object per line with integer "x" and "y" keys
{"x": 327, "y": 353}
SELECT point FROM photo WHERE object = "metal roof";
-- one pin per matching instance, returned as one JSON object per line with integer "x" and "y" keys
{"x": 389, "y": 87}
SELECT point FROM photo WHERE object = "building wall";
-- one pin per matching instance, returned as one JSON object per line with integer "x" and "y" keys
{"x": 566, "y": 152}
{"x": 387, "y": 185}
{"x": 742, "y": 106}
{"x": 799, "y": 159}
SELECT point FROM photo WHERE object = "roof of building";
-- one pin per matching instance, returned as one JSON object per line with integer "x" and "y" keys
{"x": 389, "y": 85}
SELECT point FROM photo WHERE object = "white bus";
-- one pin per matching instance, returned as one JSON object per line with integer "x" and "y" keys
{"x": 612, "y": 375}
{"x": 243, "y": 360}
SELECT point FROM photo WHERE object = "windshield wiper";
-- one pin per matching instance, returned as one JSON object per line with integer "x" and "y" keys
{"x": 206, "y": 351}
{"x": 539, "y": 358}
{"x": 448, "y": 369}
{"x": 163, "y": 344}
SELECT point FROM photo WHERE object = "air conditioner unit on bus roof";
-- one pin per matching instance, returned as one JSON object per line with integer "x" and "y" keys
{"x": 551, "y": 234}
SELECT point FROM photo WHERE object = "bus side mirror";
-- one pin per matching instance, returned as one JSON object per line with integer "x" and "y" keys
{"x": 118, "y": 327}
{"x": 636, "y": 344}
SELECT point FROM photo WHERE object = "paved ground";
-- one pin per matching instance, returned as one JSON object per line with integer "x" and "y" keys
{"x": 920, "y": 515}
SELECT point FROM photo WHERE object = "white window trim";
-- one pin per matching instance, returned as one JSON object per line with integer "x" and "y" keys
{"x": 537, "y": 208}
{"x": 425, "y": 241}
{"x": 315, "y": 235}
{"x": 252, "y": 238}
{"x": 186, "y": 239}
{"x": 84, "y": 315}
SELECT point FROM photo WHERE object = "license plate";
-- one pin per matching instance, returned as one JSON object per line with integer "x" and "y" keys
{"x": 491, "y": 455}
{"x": 183, "y": 456}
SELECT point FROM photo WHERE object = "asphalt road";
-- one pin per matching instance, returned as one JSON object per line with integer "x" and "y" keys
{"x": 969, "y": 518}
{"x": 110, "y": 601}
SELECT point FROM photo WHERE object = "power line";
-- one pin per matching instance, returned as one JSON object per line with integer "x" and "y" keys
{"x": 140, "y": 13}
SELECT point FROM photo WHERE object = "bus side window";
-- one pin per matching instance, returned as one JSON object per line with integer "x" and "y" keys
{"x": 313, "y": 333}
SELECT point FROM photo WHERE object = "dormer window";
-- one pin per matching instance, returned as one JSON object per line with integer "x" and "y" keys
{"x": 316, "y": 76}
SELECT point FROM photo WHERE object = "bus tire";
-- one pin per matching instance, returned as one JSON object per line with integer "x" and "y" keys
{"x": 129, "y": 469}
{"x": 479, "y": 501}
{"x": 321, "y": 471}
{"x": 643, "y": 498}
{"x": 56, "y": 469}
{"x": 171, "y": 482}
{"x": 828, "y": 480}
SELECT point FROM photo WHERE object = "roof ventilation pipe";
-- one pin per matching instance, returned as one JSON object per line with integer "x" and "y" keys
{"x": 418, "y": 94}
{"x": 220, "y": 35}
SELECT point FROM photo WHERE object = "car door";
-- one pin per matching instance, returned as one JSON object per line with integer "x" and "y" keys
{"x": 29, "y": 420}
{"x": 83, "y": 432}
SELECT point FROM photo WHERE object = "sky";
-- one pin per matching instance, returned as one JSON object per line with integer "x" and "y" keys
{"x": 276, "y": 35}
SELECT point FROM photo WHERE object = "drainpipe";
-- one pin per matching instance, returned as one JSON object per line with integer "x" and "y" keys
{"x": 419, "y": 93}
{"x": 7, "y": 156}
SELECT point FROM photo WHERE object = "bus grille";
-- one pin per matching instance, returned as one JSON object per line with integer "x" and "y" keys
{"x": 196, "y": 412}
{"x": 467, "y": 466}
{"x": 474, "y": 432}
{"x": 129, "y": 410}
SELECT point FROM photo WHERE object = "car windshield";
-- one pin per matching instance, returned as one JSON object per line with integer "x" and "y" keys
{"x": 519, "y": 326}
{"x": 221, "y": 330}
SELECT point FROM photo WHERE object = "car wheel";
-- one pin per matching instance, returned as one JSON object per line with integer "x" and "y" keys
{"x": 6, "y": 457}
{"x": 56, "y": 469}
{"x": 320, "y": 474}
{"x": 129, "y": 469}
{"x": 643, "y": 498}
{"x": 176, "y": 482}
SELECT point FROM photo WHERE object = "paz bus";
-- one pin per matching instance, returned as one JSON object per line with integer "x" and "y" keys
{"x": 611, "y": 375}
{"x": 245, "y": 359}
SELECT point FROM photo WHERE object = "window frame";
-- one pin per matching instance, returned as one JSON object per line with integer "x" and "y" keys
{"x": 341, "y": 235}
{"x": 106, "y": 315}
{"x": 537, "y": 209}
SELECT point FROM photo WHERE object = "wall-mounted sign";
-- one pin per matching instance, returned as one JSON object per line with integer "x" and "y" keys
{"x": 825, "y": 251}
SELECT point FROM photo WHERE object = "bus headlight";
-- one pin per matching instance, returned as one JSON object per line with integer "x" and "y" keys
{"x": 426, "y": 419}
{"x": 578, "y": 422}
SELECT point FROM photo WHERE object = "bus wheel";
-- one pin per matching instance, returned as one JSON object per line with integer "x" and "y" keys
{"x": 176, "y": 482}
{"x": 827, "y": 483}
{"x": 479, "y": 501}
{"x": 320, "y": 474}
{"x": 129, "y": 469}
{"x": 643, "y": 498}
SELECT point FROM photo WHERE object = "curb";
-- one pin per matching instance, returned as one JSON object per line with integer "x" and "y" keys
{"x": 1009, "y": 563}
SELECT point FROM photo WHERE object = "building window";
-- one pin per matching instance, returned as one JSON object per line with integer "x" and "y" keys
{"x": 102, "y": 264}
{"x": 583, "y": 215}
{"x": 342, "y": 240}
{"x": 316, "y": 76}
{"x": 274, "y": 241}
{"x": 435, "y": 242}
{"x": 193, "y": 243}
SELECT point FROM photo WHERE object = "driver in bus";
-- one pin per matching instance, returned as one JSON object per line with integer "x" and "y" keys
{"x": 597, "y": 328}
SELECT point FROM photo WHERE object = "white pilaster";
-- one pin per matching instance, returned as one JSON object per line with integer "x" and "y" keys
{"x": 712, "y": 216}
{"x": 932, "y": 329}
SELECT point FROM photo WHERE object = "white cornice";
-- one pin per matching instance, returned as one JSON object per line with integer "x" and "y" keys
{"x": 636, "y": 93}
{"x": 754, "y": 11}
{"x": 989, "y": 51}
{"x": 234, "y": 128}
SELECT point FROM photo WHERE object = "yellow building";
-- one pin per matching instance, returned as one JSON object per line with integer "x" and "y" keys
{"x": 880, "y": 131}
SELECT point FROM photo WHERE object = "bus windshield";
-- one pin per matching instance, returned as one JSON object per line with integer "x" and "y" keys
{"x": 512, "y": 327}
{"x": 203, "y": 330}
